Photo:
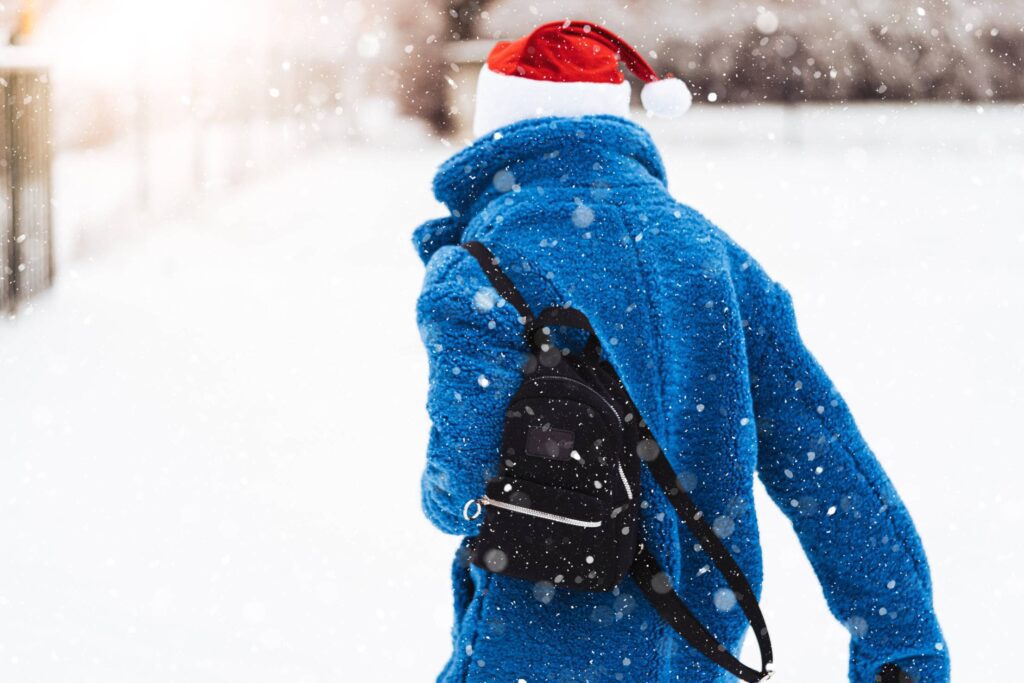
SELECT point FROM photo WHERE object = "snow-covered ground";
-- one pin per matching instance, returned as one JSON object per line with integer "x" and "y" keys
{"x": 212, "y": 434}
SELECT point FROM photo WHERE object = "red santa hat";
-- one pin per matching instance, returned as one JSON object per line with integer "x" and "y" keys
{"x": 568, "y": 68}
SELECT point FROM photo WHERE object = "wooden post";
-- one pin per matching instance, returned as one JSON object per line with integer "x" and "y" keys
{"x": 464, "y": 59}
{"x": 26, "y": 229}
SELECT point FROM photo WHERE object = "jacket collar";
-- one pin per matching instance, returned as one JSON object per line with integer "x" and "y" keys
{"x": 581, "y": 151}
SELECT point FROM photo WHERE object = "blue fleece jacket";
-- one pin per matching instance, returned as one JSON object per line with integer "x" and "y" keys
{"x": 578, "y": 212}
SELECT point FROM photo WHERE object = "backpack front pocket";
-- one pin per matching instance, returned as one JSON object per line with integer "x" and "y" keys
{"x": 543, "y": 533}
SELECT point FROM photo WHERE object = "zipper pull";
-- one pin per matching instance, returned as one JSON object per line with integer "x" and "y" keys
{"x": 479, "y": 503}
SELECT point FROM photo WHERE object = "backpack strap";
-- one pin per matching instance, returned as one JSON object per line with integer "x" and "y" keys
{"x": 657, "y": 588}
{"x": 552, "y": 316}
{"x": 500, "y": 281}
{"x": 655, "y": 585}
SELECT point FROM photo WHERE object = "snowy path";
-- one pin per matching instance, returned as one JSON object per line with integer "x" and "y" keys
{"x": 212, "y": 435}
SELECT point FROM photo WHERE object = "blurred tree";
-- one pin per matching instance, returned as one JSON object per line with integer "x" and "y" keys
{"x": 423, "y": 69}
{"x": 772, "y": 50}
{"x": 463, "y": 16}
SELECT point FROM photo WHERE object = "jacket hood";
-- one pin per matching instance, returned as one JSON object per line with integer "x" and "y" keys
{"x": 575, "y": 151}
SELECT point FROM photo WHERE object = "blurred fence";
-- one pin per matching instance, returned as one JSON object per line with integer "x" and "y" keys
{"x": 158, "y": 106}
{"x": 26, "y": 246}
{"x": 131, "y": 153}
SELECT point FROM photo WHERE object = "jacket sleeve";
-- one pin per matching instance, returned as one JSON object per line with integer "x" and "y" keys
{"x": 475, "y": 351}
{"x": 851, "y": 523}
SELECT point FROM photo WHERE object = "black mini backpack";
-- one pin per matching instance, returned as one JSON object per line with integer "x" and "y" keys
{"x": 564, "y": 506}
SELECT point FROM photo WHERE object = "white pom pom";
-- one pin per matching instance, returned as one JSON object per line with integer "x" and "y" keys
{"x": 667, "y": 98}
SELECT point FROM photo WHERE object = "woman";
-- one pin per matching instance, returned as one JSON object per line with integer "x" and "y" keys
{"x": 571, "y": 197}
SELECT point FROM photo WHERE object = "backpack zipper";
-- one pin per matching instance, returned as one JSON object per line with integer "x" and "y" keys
{"x": 528, "y": 511}
{"x": 625, "y": 483}
{"x": 585, "y": 386}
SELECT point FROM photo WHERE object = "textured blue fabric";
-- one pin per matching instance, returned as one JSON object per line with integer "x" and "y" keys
{"x": 578, "y": 212}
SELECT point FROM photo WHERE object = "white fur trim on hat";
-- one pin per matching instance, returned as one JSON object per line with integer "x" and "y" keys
{"x": 503, "y": 99}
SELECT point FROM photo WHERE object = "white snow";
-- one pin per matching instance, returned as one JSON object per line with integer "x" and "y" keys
{"x": 212, "y": 434}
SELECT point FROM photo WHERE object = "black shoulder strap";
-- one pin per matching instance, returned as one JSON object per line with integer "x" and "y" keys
{"x": 654, "y": 583}
{"x": 648, "y": 575}
{"x": 507, "y": 290}
{"x": 534, "y": 326}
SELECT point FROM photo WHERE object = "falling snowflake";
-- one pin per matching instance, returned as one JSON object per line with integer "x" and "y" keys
{"x": 582, "y": 216}
{"x": 857, "y": 626}
{"x": 724, "y": 599}
{"x": 495, "y": 560}
{"x": 504, "y": 180}
{"x": 544, "y": 592}
{"x": 723, "y": 526}
{"x": 485, "y": 299}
